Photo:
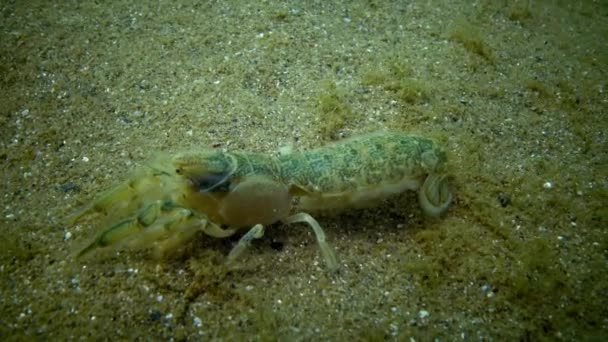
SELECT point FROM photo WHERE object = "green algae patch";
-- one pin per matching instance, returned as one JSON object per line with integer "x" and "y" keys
{"x": 525, "y": 278}
{"x": 445, "y": 254}
{"x": 534, "y": 281}
{"x": 519, "y": 12}
{"x": 334, "y": 110}
{"x": 472, "y": 40}
{"x": 211, "y": 278}
{"x": 22, "y": 250}
{"x": 398, "y": 79}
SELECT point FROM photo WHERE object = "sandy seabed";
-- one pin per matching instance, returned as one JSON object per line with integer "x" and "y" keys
{"x": 516, "y": 91}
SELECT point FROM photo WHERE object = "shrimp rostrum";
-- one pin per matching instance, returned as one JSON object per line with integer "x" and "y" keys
{"x": 166, "y": 203}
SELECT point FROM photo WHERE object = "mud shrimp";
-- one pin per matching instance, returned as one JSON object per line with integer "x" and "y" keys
{"x": 166, "y": 203}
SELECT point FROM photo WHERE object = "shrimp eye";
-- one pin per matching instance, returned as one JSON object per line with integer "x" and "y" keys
{"x": 212, "y": 182}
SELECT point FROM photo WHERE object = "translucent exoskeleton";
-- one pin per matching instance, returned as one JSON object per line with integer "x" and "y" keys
{"x": 164, "y": 204}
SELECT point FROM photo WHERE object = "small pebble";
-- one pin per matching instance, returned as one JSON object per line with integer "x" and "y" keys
{"x": 68, "y": 187}
{"x": 154, "y": 316}
{"x": 504, "y": 199}
{"x": 423, "y": 314}
{"x": 197, "y": 322}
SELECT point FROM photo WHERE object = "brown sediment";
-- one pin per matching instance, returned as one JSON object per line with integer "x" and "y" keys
{"x": 90, "y": 91}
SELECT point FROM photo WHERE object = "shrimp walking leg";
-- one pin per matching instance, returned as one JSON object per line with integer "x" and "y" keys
{"x": 254, "y": 233}
{"x": 326, "y": 251}
{"x": 258, "y": 231}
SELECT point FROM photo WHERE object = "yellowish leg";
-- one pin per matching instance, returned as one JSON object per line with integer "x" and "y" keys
{"x": 127, "y": 196}
{"x": 254, "y": 233}
{"x": 165, "y": 223}
{"x": 124, "y": 229}
{"x": 326, "y": 251}
{"x": 183, "y": 231}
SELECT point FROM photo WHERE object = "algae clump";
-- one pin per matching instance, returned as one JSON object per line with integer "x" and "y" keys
{"x": 334, "y": 110}
{"x": 397, "y": 78}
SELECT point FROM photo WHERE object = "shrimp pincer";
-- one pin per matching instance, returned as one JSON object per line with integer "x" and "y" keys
{"x": 166, "y": 203}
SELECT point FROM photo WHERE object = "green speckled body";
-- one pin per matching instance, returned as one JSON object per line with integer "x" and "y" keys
{"x": 209, "y": 190}
{"x": 362, "y": 162}
{"x": 348, "y": 172}
{"x": 351, "y": 172}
